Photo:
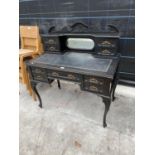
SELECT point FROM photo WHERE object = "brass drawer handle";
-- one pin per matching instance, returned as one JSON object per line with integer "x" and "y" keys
{"x": 51, "y": 41}
{"x": 93, "y": 88}
{"x": 93, "y": 80}
{"x": 38, "y": 76}
{"x": 38, "y": 71}
{"x": 106, "y": 43}
{"x": 52, "y": 48}
{"x": 55, "y": 74}
{"x": 71, "y": 76}
{"x": 106, "y": 51}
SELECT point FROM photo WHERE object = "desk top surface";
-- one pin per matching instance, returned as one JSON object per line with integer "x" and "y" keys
{"x": 78, "y": 62}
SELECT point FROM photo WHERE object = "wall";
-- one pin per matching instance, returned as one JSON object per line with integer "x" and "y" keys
{"x": 97, "y": 14}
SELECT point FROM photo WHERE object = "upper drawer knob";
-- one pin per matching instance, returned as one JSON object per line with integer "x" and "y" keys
{"x": 51, "y": 41}
{"x": 106, "y": 43}
{"x": 52, "y": 48}
{"x": 106, "y": 51}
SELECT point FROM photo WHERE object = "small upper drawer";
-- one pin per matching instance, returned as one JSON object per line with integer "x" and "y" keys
{"x": 50, "y": 40}
{"x": 106, "y": 51}
{"x": 107, "y": 42}
{"x": 51, "y": 43}
{"x": 107, "y": 46}
{"x": 51, "y": 48}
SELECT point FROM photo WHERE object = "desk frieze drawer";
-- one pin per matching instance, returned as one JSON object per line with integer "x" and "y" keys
{"x": 101, "y": 89}
{"x": 64, "y": 75}
{"x": 38, "y": 71}
{"x": 93, "y": 80}
{"x": 96, "y": 84}
{"x": 40, "y": 77}
{"x": 93, "y": 88}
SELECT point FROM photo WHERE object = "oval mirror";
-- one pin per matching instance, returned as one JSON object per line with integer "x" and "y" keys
{"x": 80, "y": 43}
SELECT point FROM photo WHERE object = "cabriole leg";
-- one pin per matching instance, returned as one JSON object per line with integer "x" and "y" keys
{"x": 114, "y": 87}
{"x": 35, "y": 90}
{"x": 50, "y": 81}
{"x": 59, "y": 86}
{"x": 107, "y": 103}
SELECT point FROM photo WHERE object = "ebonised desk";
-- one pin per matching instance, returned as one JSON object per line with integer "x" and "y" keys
{"x": 94, "y": 73}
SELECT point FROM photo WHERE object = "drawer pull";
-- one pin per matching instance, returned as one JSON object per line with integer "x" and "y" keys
{"x": 39, "y": 77}
{"x": 106, "y": 51}
{"x": 106, "y": 43}
{"x": 70, "y": 76}
{"x": 93, "y": 88}
{"x": 52, "y": 48}
{"x": 55, "y": 74}
{"x": 51, "y": 41}
{"x": 37, "y": 71}
{"x": 93, "y": 80}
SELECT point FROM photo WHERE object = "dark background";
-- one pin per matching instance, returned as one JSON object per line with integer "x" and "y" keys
{"x": 97, "y": 14}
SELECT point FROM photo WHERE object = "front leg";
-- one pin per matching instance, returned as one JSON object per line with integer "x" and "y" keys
{"x": 34, "y": 85}
{"x": 50, "y": 81}
{"x": 59, "y": 86}
{"x": 114, "y": 87}
{"x": 107, "y": 103}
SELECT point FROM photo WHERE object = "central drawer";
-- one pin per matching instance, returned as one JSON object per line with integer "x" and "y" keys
{"x": 64, "y": 75}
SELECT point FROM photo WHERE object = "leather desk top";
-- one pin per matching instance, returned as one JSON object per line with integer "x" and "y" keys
{"x": 78, "y": 62}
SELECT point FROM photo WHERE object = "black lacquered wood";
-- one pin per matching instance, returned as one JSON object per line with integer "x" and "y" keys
{"x": 94, "y": 73}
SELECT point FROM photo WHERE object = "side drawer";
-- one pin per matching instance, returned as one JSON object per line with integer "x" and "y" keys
{"x": 40, "y": 77}
{"x": 37, "y": 70}
{"x": 93, "y": 88}
{"x": 93, "y": 80}
{"x": 97, "y": 84}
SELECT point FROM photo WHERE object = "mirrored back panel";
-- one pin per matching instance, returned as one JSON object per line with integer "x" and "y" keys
{"x": 80, "y": 43}
{"x": 95, "y": 44}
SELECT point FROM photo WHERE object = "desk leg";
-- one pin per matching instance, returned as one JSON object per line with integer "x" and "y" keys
{"x": 50, "y": 81}
{"x": 34, "y": 85}
{"x": 107, "y": 103}
{"x": 59, "y": 86}
{"x": 114, "y": 88}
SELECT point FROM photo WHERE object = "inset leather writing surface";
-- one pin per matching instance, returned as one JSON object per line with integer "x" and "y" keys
{"x": 83, "y": 61}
